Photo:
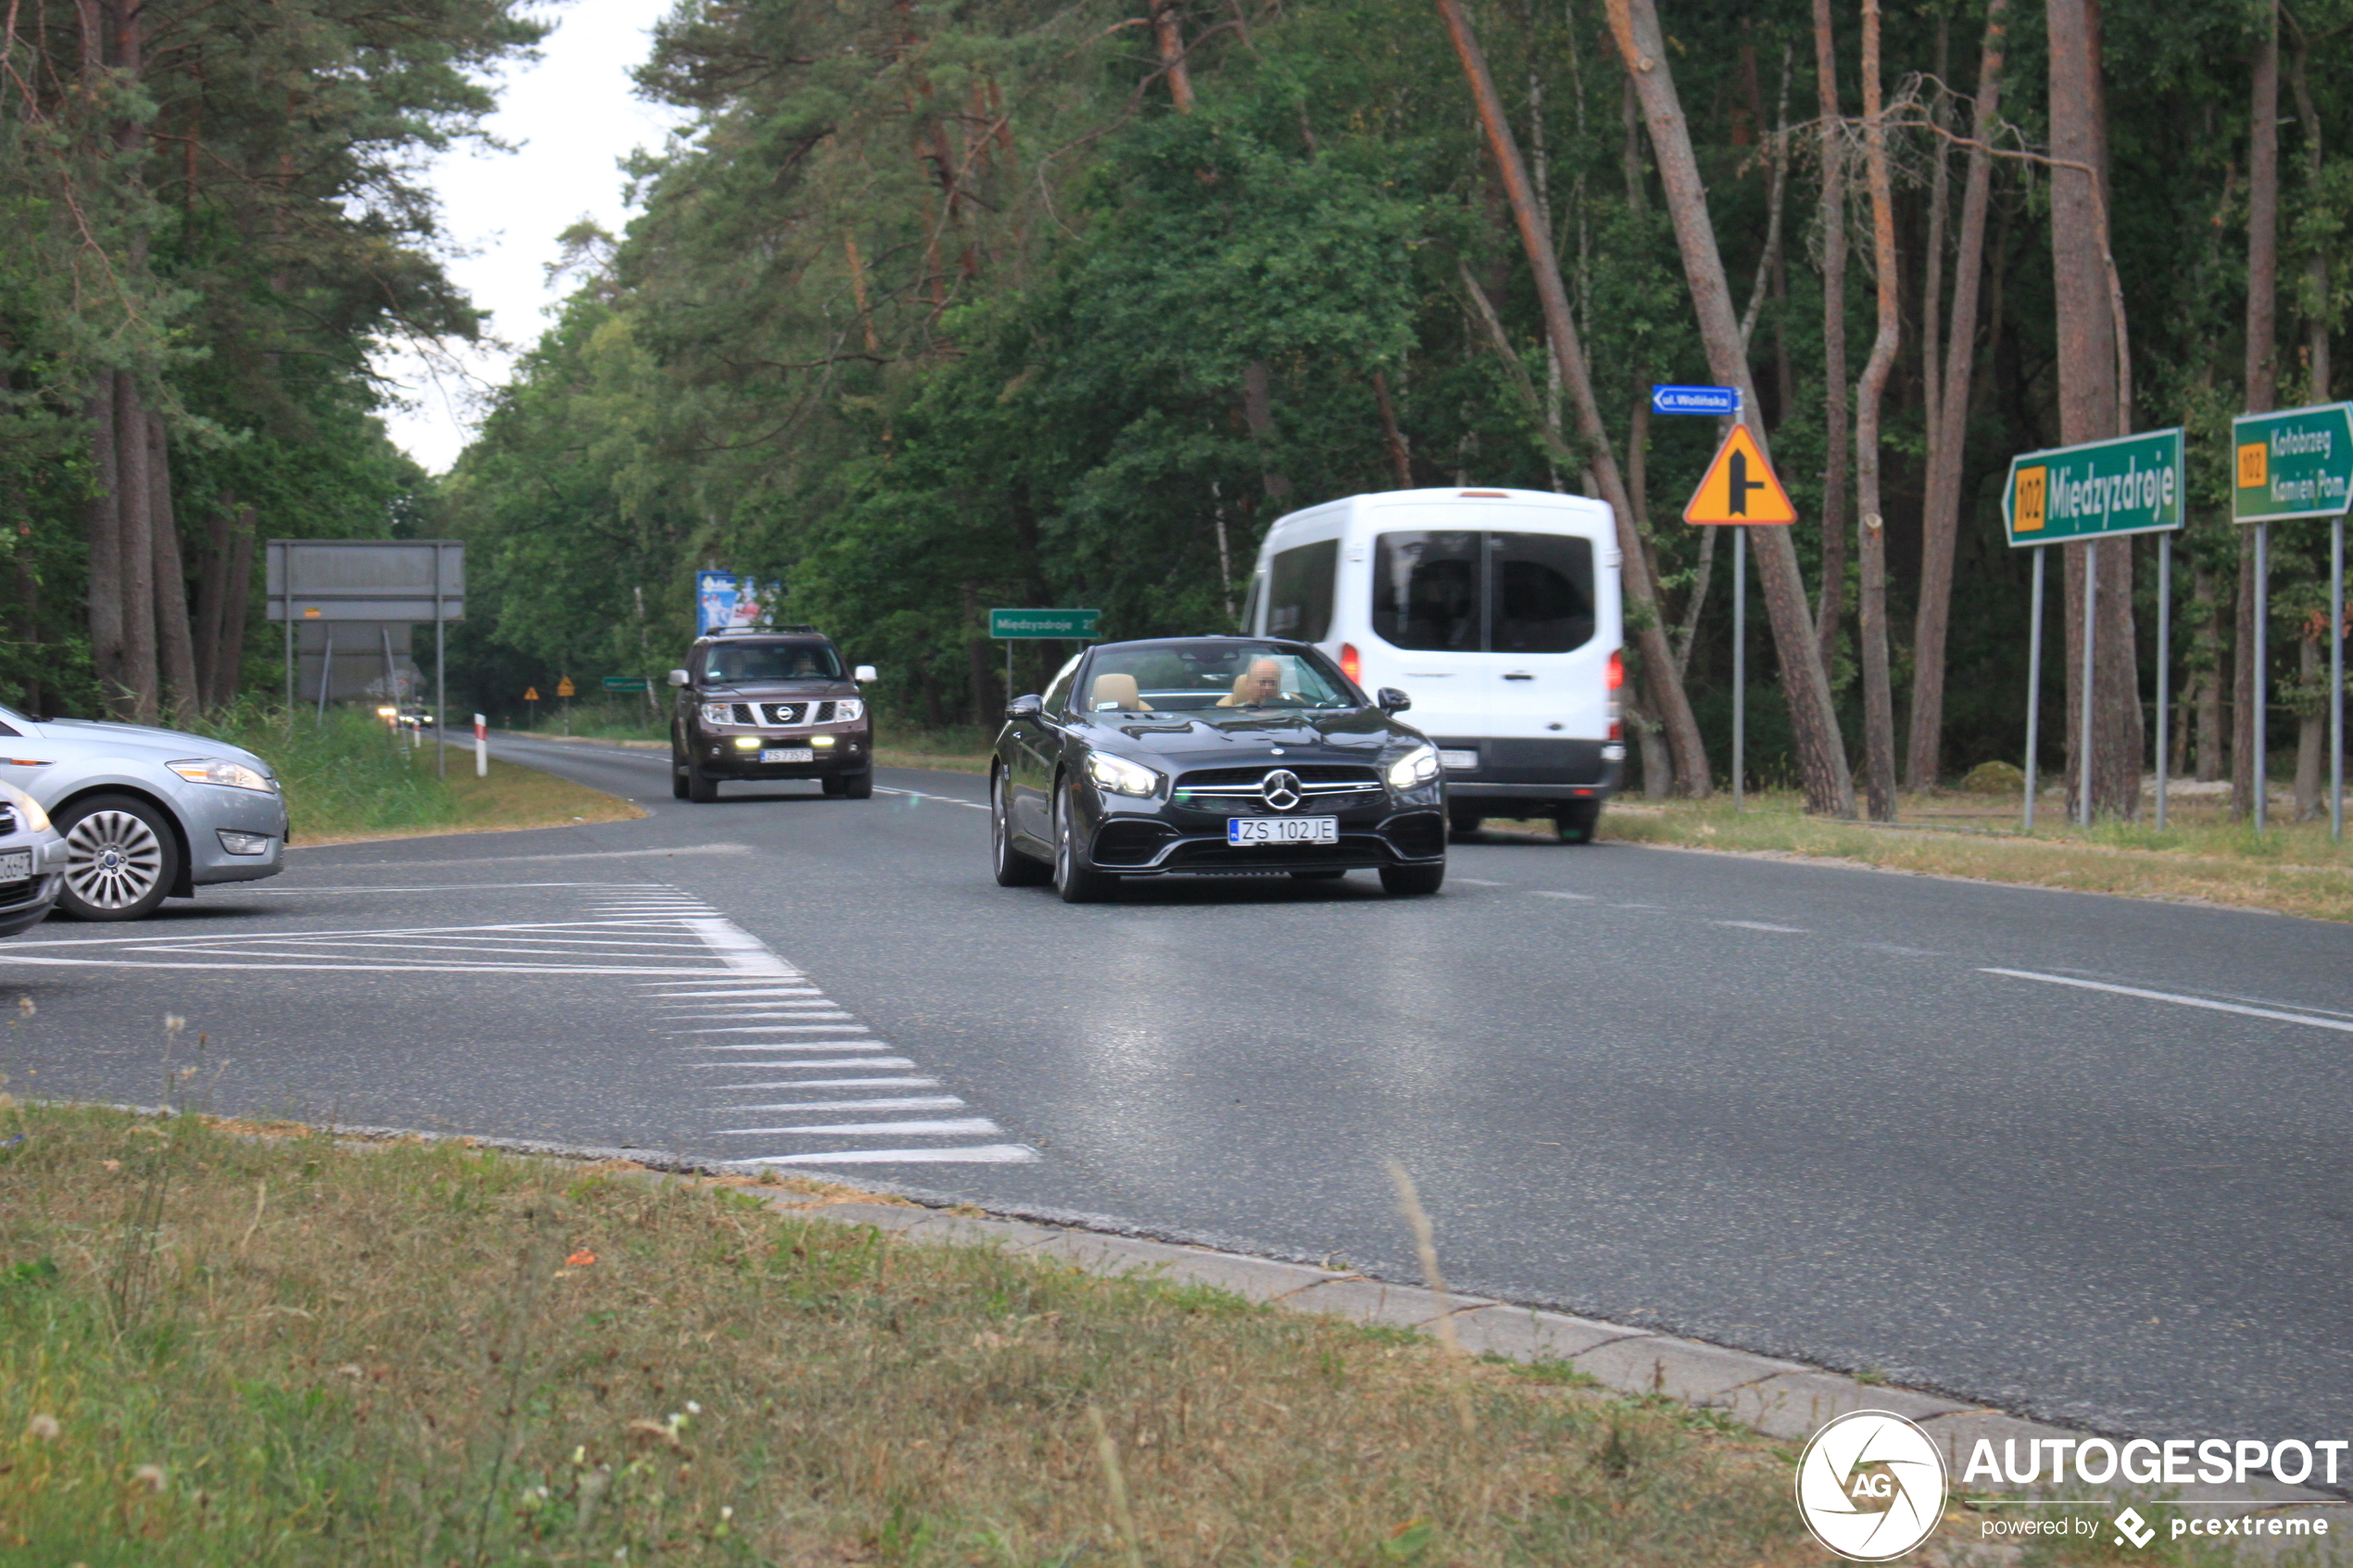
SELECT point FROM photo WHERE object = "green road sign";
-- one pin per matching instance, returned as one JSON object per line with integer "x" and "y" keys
{"x": 627, "y": 683}
{"x": 1078, "y": 624}
{"x": 2298, "y": 463}
{"x": 2129, "y": 485}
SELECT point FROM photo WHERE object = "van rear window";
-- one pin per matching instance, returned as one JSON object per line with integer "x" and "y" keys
{"x": 1463, "y": 592}
{"x": 1299, "y": 591}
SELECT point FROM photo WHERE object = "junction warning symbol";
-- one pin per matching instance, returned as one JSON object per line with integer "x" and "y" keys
{"x": 1739, "y": 486}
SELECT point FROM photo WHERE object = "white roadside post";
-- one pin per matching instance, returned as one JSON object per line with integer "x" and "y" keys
{"x": 481, "y": 746}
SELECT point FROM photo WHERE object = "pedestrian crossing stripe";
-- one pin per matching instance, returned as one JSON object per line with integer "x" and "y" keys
{"x": 1741, "y": 486}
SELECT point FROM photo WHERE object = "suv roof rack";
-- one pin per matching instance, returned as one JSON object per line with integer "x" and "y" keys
{"x": 765, "y": 632}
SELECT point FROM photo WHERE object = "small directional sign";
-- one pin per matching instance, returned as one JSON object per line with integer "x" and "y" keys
{"x": 627, "y": 683}
{"x": 531, "y": 694}
{"x": 1739, "y": 486}
{"x": 1696, "y": 400}
{"x": 563, "y": 686}
{"x": 2129, "y": 485}
{"x": 1073, "y": 624}
{"x": 2298, "y": 463}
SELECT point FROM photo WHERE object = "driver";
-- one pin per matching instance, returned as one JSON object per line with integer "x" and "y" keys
{"x": 1256, "y": 687}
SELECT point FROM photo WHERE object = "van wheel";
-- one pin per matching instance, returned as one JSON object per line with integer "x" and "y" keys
{"x": 1576, "y": 823}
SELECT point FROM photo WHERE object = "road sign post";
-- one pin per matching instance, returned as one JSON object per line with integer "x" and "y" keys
{"x": 2297, "y": 464}
{"x": 2082, "y": 494}
{"x": 1739, "y": 490}
{"x": 481, "y": 746}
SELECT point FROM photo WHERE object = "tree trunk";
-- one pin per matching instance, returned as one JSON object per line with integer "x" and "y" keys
{"x": 1879, "y": 703}
{"x": 2093, "y": 404}
{"x": 229, "y": 655}
{"x": 1924, "y": 761}
{"x": 1821, "y": 756}
{"x": 2206, "y": 615}
{"x": 175, "y": 645}
{"x": 1400, "y": 459}
{"x": 980, "y": 667}
{"x": 1833, "y": 587}
{"x": 103, "y": 520}
{"x": 1169, "y": 37}
{"x": 2312, "y": 730}
{"x": 1258, "y": 414}
{"x": 1663, "y": 690}
{"x": 212, "y": 583}
{"x": 2316, "y": 266}
{"x": 1940, "y": 207}
{"x": 2253, "y": 685}
{"x": 134, "y": 699}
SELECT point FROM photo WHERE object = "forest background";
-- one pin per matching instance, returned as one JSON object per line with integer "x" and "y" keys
{"x": 936, "y": 307}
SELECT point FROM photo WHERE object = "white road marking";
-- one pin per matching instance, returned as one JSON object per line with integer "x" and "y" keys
{"x": 952, "y": 1126}
{"x": 903, "y": 1102}
{"x": 1580, "y": 898}
{"x": 1761, "y": 925}
{"x": 799, "y": 1045}
{"x": 871, "y": 1062}
{"x": 756, "y": 1013}
{"x": 771, "y": 991}
{"x": 826, "y": 1082}
{"x": 1478, "y": 882}
{"x": 2341, "y": 1025}
{"x": 778, "y": 1028}
{"x": 943, "y": 800}
{"x": 576, "y": 855}
{"x": 982, "y": 1154}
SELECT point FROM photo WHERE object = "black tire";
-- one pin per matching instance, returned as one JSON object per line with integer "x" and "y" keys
{"x": 1014, "y": 869}
{"x": 1576, "y": 823}
{"x": 677, "y": 777}
{"x": 1413, "y": 880}
{"x": 121, "y": 859}
{"x": 859, "y": 786}
{"x": 1076, "y": 884}
{"x": 1317, "y": 876}
{"x": 701, "y": 788}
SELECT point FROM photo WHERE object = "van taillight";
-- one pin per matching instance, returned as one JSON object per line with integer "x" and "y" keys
{"x": 1351, "y": 664}
{"x": 1616, "y": 676}
{"x": 1617, "y": 730}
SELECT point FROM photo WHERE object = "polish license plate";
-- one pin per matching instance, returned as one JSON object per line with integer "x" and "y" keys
{"x": 15, "y": 865}
{"x": 1459, "y": 761}
{"x": 789, "y": 754}
{"x": 1282, "y": 830}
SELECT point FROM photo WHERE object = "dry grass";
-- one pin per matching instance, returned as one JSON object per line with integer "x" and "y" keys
{"x": 276, "y": 1350}
{"x": 512, "y": 796}
{"x": 2293, "y": 869}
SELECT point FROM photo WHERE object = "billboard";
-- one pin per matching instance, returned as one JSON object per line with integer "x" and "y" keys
{"x": 724, "y": 599}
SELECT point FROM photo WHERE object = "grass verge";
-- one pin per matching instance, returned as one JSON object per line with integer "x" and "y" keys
{"x": 222, "y": 1347}
{"x": 2293, "y": 869}
{"x": 346, "y": 781}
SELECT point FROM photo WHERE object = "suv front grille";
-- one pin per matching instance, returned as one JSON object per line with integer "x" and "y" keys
{"x": 7, "y": 819}
{"x": 782, "y": 712}
{"x": 1319, "y": 777}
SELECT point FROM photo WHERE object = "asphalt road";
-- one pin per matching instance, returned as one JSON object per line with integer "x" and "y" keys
{"x": 2084, "y": 1158}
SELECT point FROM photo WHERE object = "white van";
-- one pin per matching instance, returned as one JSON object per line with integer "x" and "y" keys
{"x": 1496, "y": 611}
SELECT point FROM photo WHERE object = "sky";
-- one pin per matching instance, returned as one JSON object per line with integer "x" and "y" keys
{"x": 572, "y": 117}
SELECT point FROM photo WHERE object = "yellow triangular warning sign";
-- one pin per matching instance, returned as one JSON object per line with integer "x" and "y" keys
{"x": 563, "y": 688}
{"x": 531, "y": 694}
{"x": 1739, "y": 486}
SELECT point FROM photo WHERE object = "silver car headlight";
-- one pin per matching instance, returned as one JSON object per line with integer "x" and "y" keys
{"x": 1121, "y": 776}
{"x": 29, "y": 810}
{"x": 220, "y": 771}
{"x": 1416, "y": 766}
{"x": 718, "y": 712}
{"x": 849, "y": 708}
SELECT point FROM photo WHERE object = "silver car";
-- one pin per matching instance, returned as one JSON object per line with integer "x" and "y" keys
{"x": 32, "y": 859}
{"x": 146, "y": 814}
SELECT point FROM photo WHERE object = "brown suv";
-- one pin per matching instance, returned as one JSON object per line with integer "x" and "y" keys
{"x": 769, "y": 704}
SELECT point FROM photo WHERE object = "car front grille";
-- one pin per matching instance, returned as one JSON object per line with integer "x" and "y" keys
{"x": 7, "y": 819}
{"x": 782, "y": 712}
{"x": 1322, "y": 787}
{"x": 1306, "y": 772}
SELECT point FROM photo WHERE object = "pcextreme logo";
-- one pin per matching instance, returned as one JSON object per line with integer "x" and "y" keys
{"x": 1871, "y": 1486}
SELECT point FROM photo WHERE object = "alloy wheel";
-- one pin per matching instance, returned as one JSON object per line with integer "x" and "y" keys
{"x": 113, "y": 860}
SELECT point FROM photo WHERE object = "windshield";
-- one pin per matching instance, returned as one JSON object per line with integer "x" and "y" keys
{"x": 731, "y": 662}
{"x": 1176, "y": 677}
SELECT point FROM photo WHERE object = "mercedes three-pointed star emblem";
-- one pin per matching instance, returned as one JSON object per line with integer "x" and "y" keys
{"x": 1280, "y": 789}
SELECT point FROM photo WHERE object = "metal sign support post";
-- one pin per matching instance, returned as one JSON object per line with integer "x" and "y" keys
{"x": 1740, "y": 655}
{"x": 290, "y": 669}
{"x": 2164, "y": 659}
{"x": 440, "y": 679}
{"x": 2262, "y": 682}
{"x": 2083, "y": 721}
{"x": 2033, "y": 682}
{"x": 2337, "y": 681}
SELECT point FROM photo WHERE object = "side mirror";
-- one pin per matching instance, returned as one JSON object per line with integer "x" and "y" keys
{"x": 677, "y": 677}
{"x": 1392, "y": 700}
{"x": 864, "y": 673}
{"x": 1025, "y": 708}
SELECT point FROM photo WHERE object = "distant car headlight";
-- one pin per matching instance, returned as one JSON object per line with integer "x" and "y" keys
{"x": 718, "y": 712}
{"x": 1416, "y": 766}
{"x": 220, "y": 771}
{"x": 1121, "y": 776}
{"x": 849, "y": 708}
{"x": 29, "y": 810}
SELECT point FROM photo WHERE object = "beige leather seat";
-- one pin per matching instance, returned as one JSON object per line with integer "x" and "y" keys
{"x": 1239, "y": 696}
{"x": 1120, "y": 690}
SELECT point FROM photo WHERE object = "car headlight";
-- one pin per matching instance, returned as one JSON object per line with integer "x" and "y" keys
{"x": 220, "y": 771}
{"x": 718, "y": 712}
{"x": 1121, "y": 776}
{"x": 1416, "y": 766}
{"x": 849, "y": 708}
{"x": 29, "y": 810}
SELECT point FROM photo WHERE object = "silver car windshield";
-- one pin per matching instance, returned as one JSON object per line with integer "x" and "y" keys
{"x": 1177, "y": 677}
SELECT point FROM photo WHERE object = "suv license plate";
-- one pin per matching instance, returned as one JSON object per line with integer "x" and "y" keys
{"x": 789, "y": 754}
{"x": 1282, "y": 830}
{"x": 16, "y": 865}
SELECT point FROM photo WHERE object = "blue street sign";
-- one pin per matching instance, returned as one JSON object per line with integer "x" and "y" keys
{"x": 1696, "y": 400}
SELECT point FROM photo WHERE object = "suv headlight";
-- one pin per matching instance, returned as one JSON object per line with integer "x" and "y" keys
{"x": 848, "y": 708}
{"x": 1121, "y": 776}
{"x": 1416, "y": 766}
{"x": 29, "y": 810}
{"x": 220, "y": 771}
{"x": 718, "y": 712}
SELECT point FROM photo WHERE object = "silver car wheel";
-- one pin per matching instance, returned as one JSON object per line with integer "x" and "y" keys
{"x": 113, "y": 860}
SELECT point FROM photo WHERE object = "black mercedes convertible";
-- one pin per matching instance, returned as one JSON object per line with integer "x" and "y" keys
{"x": 1212, "y": 754}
